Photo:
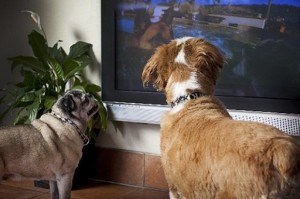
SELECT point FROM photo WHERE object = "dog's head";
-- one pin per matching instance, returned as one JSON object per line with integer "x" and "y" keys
{"x": 77, "y": 106}
{"x": 182, "y": 60}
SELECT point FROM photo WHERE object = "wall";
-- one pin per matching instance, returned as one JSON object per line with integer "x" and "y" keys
{"x": 69, "y": 21}
{"x": 14, "y": 28}
{"x": 132, "y": 137}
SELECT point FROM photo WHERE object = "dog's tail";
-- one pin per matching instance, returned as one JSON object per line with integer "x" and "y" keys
{"x": 286, "y": 159}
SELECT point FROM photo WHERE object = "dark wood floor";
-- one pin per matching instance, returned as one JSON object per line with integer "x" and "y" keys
{"x": 93, "y": 190}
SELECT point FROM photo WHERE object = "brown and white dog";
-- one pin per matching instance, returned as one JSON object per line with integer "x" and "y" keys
{"x": 205, "y": 153}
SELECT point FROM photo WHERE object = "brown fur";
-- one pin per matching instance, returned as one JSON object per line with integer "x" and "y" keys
{"x": 205, "y": 153}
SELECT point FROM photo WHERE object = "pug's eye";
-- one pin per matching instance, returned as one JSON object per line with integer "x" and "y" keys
{"x": 68, "y": 103}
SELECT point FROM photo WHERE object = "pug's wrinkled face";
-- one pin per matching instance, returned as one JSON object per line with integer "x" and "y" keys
{"x": 76, "y": 105}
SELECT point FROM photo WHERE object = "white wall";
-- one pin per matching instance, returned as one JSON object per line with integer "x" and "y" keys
{"x": 70, "y": 21}
{"x": 131, "y": 136}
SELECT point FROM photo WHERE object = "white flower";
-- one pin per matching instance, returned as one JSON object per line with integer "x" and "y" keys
{"x": 35, "y": 17}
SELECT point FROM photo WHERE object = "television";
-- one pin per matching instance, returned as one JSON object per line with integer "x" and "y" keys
{"x": 260, "y": 40}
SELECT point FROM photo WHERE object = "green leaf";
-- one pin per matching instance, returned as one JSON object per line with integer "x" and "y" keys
{"x": 92, "y": 133}
{"x": 103, "y": 115}
{"x": 57, "y": 69}
{"x": 58, "y": 53}
{"x": 28, "y": 97}
{"x": 29, "y": 80}
{"x": 29, "y": 104}
{"x": 32, "y": 109}
{"x": 92, "y": 88}
{"x": 78, "y": 49}
{"x": 39, "y": 45}
{"x": 28, "y": 62}
{"x": 46, "y": 81}
{"x": 20, "y": 104}
{"x": 71, "y": 68}
{"x": 84, "y": 60}
{"x": 49, "y": 102}
{"x": 32, "y": 96}
{"x": 78, "y": 87}
{"x": 21, "y": 119}
{"x": 85, "y": 86}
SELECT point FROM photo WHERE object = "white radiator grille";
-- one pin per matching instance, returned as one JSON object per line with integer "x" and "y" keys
{"x": 289, "y": 124}
{"x": 151, "y": 114}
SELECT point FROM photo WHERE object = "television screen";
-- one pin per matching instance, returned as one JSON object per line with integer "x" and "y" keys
{"x": 260, "y": 40}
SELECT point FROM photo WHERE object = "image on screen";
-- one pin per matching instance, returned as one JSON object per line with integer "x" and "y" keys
{"x": 260, "y": 40}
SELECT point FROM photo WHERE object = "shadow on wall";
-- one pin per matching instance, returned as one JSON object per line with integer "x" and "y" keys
{"x": 94, "y": 67}
{"x": 15, "y": 26}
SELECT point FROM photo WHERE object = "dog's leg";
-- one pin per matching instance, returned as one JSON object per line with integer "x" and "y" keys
{"x": 64, "y": 185}
{"x": 173, "y": 194}
{"x": 53, "y": 190}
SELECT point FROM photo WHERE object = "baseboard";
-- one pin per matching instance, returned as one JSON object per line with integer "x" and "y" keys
{"x": 131, "y": 168}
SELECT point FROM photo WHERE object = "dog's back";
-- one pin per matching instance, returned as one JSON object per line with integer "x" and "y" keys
{"x": 206, "y": 154}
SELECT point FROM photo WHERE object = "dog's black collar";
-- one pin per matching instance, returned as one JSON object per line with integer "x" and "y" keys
{"x": 84, "y": 138}
{"x": 187, "y": 97}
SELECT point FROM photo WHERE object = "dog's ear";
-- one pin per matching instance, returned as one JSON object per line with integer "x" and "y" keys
{"x": 157, "y": 69}
{"x": 205, "y": 57}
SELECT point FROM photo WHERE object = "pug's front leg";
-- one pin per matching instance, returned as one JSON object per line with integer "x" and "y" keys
{"x": 53, "y": 190}
{"x": 64, "y": 185}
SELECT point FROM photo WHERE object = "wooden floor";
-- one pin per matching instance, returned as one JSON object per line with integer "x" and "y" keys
{"x": 93, "y": 190}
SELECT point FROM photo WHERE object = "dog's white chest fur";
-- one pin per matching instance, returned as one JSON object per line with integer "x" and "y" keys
{"x": 180, "y": 89}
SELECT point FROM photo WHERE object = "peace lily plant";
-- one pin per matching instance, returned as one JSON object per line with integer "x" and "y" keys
{"x": 47, "y": 75}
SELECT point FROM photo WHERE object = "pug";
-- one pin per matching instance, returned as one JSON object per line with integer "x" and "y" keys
{"x": 50, "y": 147}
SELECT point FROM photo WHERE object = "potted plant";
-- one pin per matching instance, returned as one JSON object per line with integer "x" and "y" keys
{"x": 47, "y": 75}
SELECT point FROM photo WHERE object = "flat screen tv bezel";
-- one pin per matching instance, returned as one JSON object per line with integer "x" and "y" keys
{"x": 112, "y": 94}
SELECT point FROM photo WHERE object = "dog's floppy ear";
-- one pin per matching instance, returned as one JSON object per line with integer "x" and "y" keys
{"x": 205, "y": 57}
{"x": 157, "y": 70}
{"x": 208, "y": 53}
